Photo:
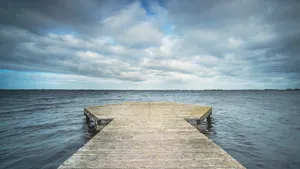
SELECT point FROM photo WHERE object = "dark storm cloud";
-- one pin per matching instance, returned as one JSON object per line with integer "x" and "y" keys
{"x": 27, "y": 44}
{"x": 246, "y": 19}
{"x": 23, "y": 50}
{"x": 68, "y": 15}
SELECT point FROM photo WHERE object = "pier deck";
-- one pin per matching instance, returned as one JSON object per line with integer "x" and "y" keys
{"x": 149, "y": 135}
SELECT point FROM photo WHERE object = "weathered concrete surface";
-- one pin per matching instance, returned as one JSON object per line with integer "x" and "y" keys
{"x": 150, "y": 135}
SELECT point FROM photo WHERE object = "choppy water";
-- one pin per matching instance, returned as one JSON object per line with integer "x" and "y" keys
{"x": 42, "y": 128}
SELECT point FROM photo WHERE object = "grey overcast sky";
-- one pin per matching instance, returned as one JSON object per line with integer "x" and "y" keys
{"x": 176, "y": 44}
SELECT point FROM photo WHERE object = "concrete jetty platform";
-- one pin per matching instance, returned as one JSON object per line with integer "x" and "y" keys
{"x": 149, "y": 135}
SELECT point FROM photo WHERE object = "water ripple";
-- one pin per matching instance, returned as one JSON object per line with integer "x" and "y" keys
{"x": 42, "y": 128}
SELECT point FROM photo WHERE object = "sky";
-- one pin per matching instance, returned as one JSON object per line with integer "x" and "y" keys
{"x": 155, "y": 44}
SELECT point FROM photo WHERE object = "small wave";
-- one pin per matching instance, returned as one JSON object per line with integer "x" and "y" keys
{"x": 26, "y": 110}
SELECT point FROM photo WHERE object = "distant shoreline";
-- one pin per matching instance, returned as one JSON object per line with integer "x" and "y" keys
{"x": 296, "y": 89}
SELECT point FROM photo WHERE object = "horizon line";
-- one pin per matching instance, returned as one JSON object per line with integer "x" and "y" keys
{"x": 163, "y": 89}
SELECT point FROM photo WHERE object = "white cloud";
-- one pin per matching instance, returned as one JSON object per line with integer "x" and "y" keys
{"x": 234, "y": 43}
{"x": 188, "y": 78}
{"x": 89, "y": 55}
{"x": 173, "y": 65}
{"x": 141, "y": 34}
{"x": 126, "y": 17}
{"x": 207, "y": 60}
{"x": 138, "y": 76}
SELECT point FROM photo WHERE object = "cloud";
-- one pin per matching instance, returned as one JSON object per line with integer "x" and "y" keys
{"x": 219, "y": 44}
{"x": 143, "y": 34}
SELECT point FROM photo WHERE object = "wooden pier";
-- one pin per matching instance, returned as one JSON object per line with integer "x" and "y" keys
{"x": 149, "y": 135}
